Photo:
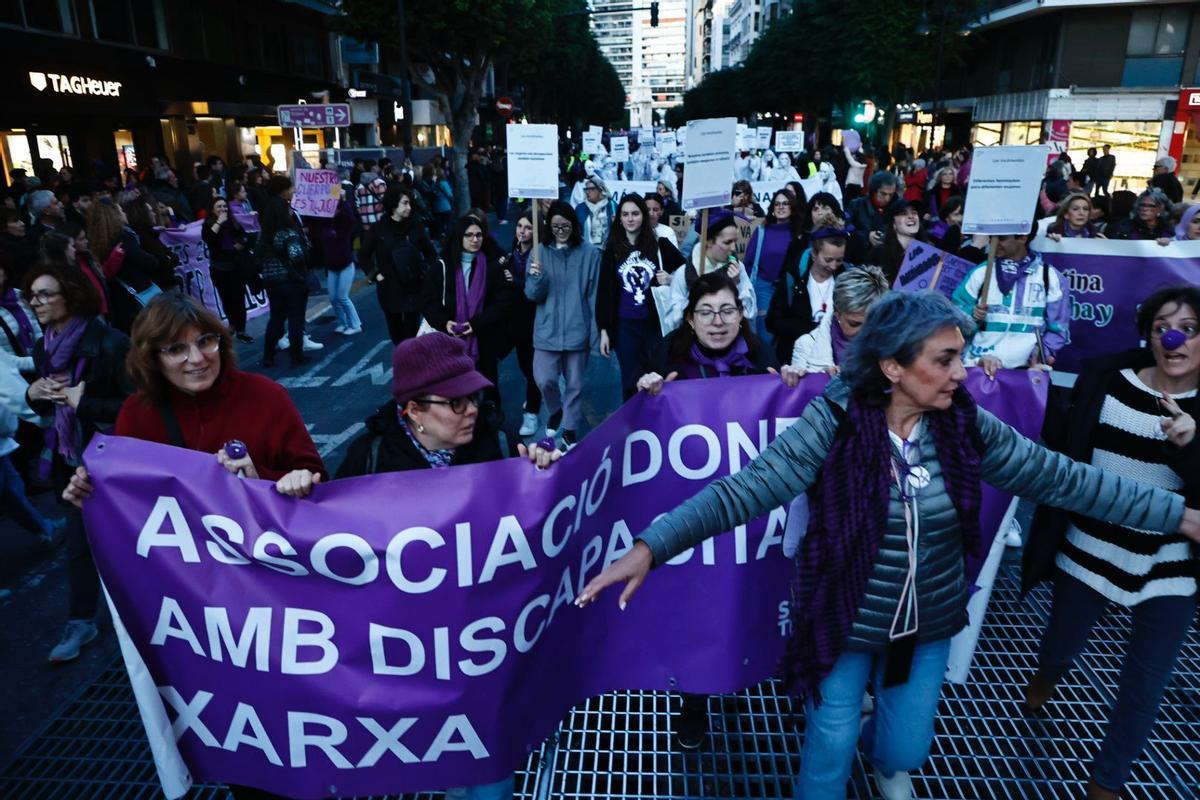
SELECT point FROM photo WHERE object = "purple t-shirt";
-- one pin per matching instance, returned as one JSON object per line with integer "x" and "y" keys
{"x": 774, "y": 249}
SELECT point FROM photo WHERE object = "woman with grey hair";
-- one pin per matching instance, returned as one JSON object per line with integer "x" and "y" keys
{"x": 892, "y": 456}
{"x": 1151, "y": 219}
{"x": 854, "y": 292}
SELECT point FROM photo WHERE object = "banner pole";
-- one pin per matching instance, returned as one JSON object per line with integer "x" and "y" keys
{"x": 937, "y": 273}
{"x": 703, "y": 239}
{"x": 987, "y": 280}
{"x": 533, "y": 252}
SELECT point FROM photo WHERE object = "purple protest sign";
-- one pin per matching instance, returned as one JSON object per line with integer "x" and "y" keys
{"x": 927, "y": 267}
{"x": 317, "y": 192}
{"x": 411, "y": 631}
{"x": 187, "y": 243}
{"x": 1108, "y": 281}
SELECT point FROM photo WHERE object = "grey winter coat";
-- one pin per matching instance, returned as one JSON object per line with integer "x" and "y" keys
{"x": 1011, "y": 462}
{"x": 565, "y": 295}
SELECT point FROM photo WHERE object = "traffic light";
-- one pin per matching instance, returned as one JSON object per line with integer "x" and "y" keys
{"x": 654, "y": 15}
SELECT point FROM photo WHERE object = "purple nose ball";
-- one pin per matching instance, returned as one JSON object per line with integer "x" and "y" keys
{"x": 1173, "y": 340}
{"x": 235, "y": 449}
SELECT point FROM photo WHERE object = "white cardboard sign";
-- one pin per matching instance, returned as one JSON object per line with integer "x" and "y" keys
{"x": 789, "y": 141}
{"x": 533, "y": 161}
{"x": 709, "y": 158}
{"x": 1003, "y": 191}
{"x": 618, "y": 147}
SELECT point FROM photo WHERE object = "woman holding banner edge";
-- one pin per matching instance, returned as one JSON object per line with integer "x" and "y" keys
{"x": 894, "y": 453}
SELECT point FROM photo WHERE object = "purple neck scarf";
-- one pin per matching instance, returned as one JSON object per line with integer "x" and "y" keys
{"x": 62, "y": 364}
{"x": 849, "y": 518}
{"x": 469, "y": 301}
{"x": 705, "y": 362}
{"x": 1008, "y": 271}
{"x": 25, "y": 335}
{"x": 838, "y": 339}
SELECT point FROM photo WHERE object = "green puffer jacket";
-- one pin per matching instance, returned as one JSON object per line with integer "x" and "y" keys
{"x": 1012, "y": 463}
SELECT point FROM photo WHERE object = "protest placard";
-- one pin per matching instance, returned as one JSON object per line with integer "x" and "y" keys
{"x": 646, "y": 137}
{"x": 591, "y": 141}
{"x": 665, "y": 143}
{"x": 533, "y": 161}
{"x": 618, "y": 148}
{"x": 316, "y": 192}
{"x": 709, "y": 158}
{"x": 926, "y": 267}
{"x": 1003, "y": 194}
{"x": 195, "y": 278}
{"x": 619, "y": 189}
{"x": 789, "y": 141}
{"x": 763, "y": 139}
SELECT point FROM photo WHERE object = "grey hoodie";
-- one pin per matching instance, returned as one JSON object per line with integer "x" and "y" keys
{"x": 565, "y": 294}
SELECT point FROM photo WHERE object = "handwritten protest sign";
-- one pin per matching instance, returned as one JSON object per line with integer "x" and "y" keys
{"x": 316, "y": 192}
{"x": 926, "y": 267}
{"x": 187, "y": 243}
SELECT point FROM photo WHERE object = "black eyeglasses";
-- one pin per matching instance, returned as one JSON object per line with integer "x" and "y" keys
{"x": 457, "y": 404}
{"x": 561, "y": 227}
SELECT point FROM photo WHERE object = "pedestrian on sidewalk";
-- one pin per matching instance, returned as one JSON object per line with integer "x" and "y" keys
{"x": 80, "y": 363}
{"x": 333, "y": 247}
{"x": 396, "y": 255}
{"x": 894, "y": 446}
{"x": 1132, "y": 414}
{"x": 562, "y": 280}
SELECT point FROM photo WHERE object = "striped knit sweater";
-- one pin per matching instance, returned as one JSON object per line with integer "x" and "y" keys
{"x": 1124, "y": 564}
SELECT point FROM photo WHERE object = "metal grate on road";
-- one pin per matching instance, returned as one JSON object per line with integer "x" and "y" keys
{"x": 619, "y": 745}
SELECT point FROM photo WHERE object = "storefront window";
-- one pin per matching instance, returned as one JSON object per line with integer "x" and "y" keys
{"x": 54, "y": 148}
{"x": 50, "y": 15}
{"x": 1134, "y": 144}
{"x": 986, "y": 134}
{"x": 1022, "y": 133}
{"x": 126, "y": 152}
{"x": 16, "y": 152}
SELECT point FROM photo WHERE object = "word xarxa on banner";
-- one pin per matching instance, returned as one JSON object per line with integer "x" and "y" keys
{"x": 411, "y": 631}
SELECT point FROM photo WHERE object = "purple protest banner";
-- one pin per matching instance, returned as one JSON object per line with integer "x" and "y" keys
{"x": 317, "y": 192}
{"x": 412, "y": 631}
{"x": 1108, "y": 280}
{"x": 187, "y": 243}
{"x": 927, "y": 267}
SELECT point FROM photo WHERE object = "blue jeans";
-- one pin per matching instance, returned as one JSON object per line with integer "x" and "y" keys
{"x": 896, "y": 737}
{"x": 500, "y": 790}
{"x": 1160, "y": 626}
{"x": 340, "y": 281}
{"x": 763, "y": 292}
{"x": 12, "y": 493}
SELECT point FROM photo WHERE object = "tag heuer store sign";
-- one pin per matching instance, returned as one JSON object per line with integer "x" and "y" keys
{"x": 56, "y": 83}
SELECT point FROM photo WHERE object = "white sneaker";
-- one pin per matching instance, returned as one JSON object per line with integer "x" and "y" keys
{"x": 353, "y": 331}
{"x": 283, "y": 344}
{"x": 529, "y": 424}
{"x": 1013, "y": 537}
{"x": 897, "y": 787}
{"x": 309, "y": 344}
{"x": 76, "y": 634}
{"x": 340, "y": 329}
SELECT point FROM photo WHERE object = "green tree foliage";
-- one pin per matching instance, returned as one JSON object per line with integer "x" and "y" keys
{"x": 825, "y": 54}
{"x": 452, "y": 44}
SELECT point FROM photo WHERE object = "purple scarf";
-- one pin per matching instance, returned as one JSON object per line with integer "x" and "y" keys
{"x": 1008, "y": 271}
{"x": 62, "y": 364}
{"x": 25, "y": 333}
{"x": 469, "y": 301}
{"x": 848, "y": 522}
{"x": 838, "y": 339}
{"x": 705, "y": 363}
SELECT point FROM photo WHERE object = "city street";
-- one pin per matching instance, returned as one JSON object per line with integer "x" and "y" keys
{"x": 72, "y": 731}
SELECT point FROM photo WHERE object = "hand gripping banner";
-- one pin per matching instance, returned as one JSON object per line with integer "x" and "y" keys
{"x": 412, "y": 631}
